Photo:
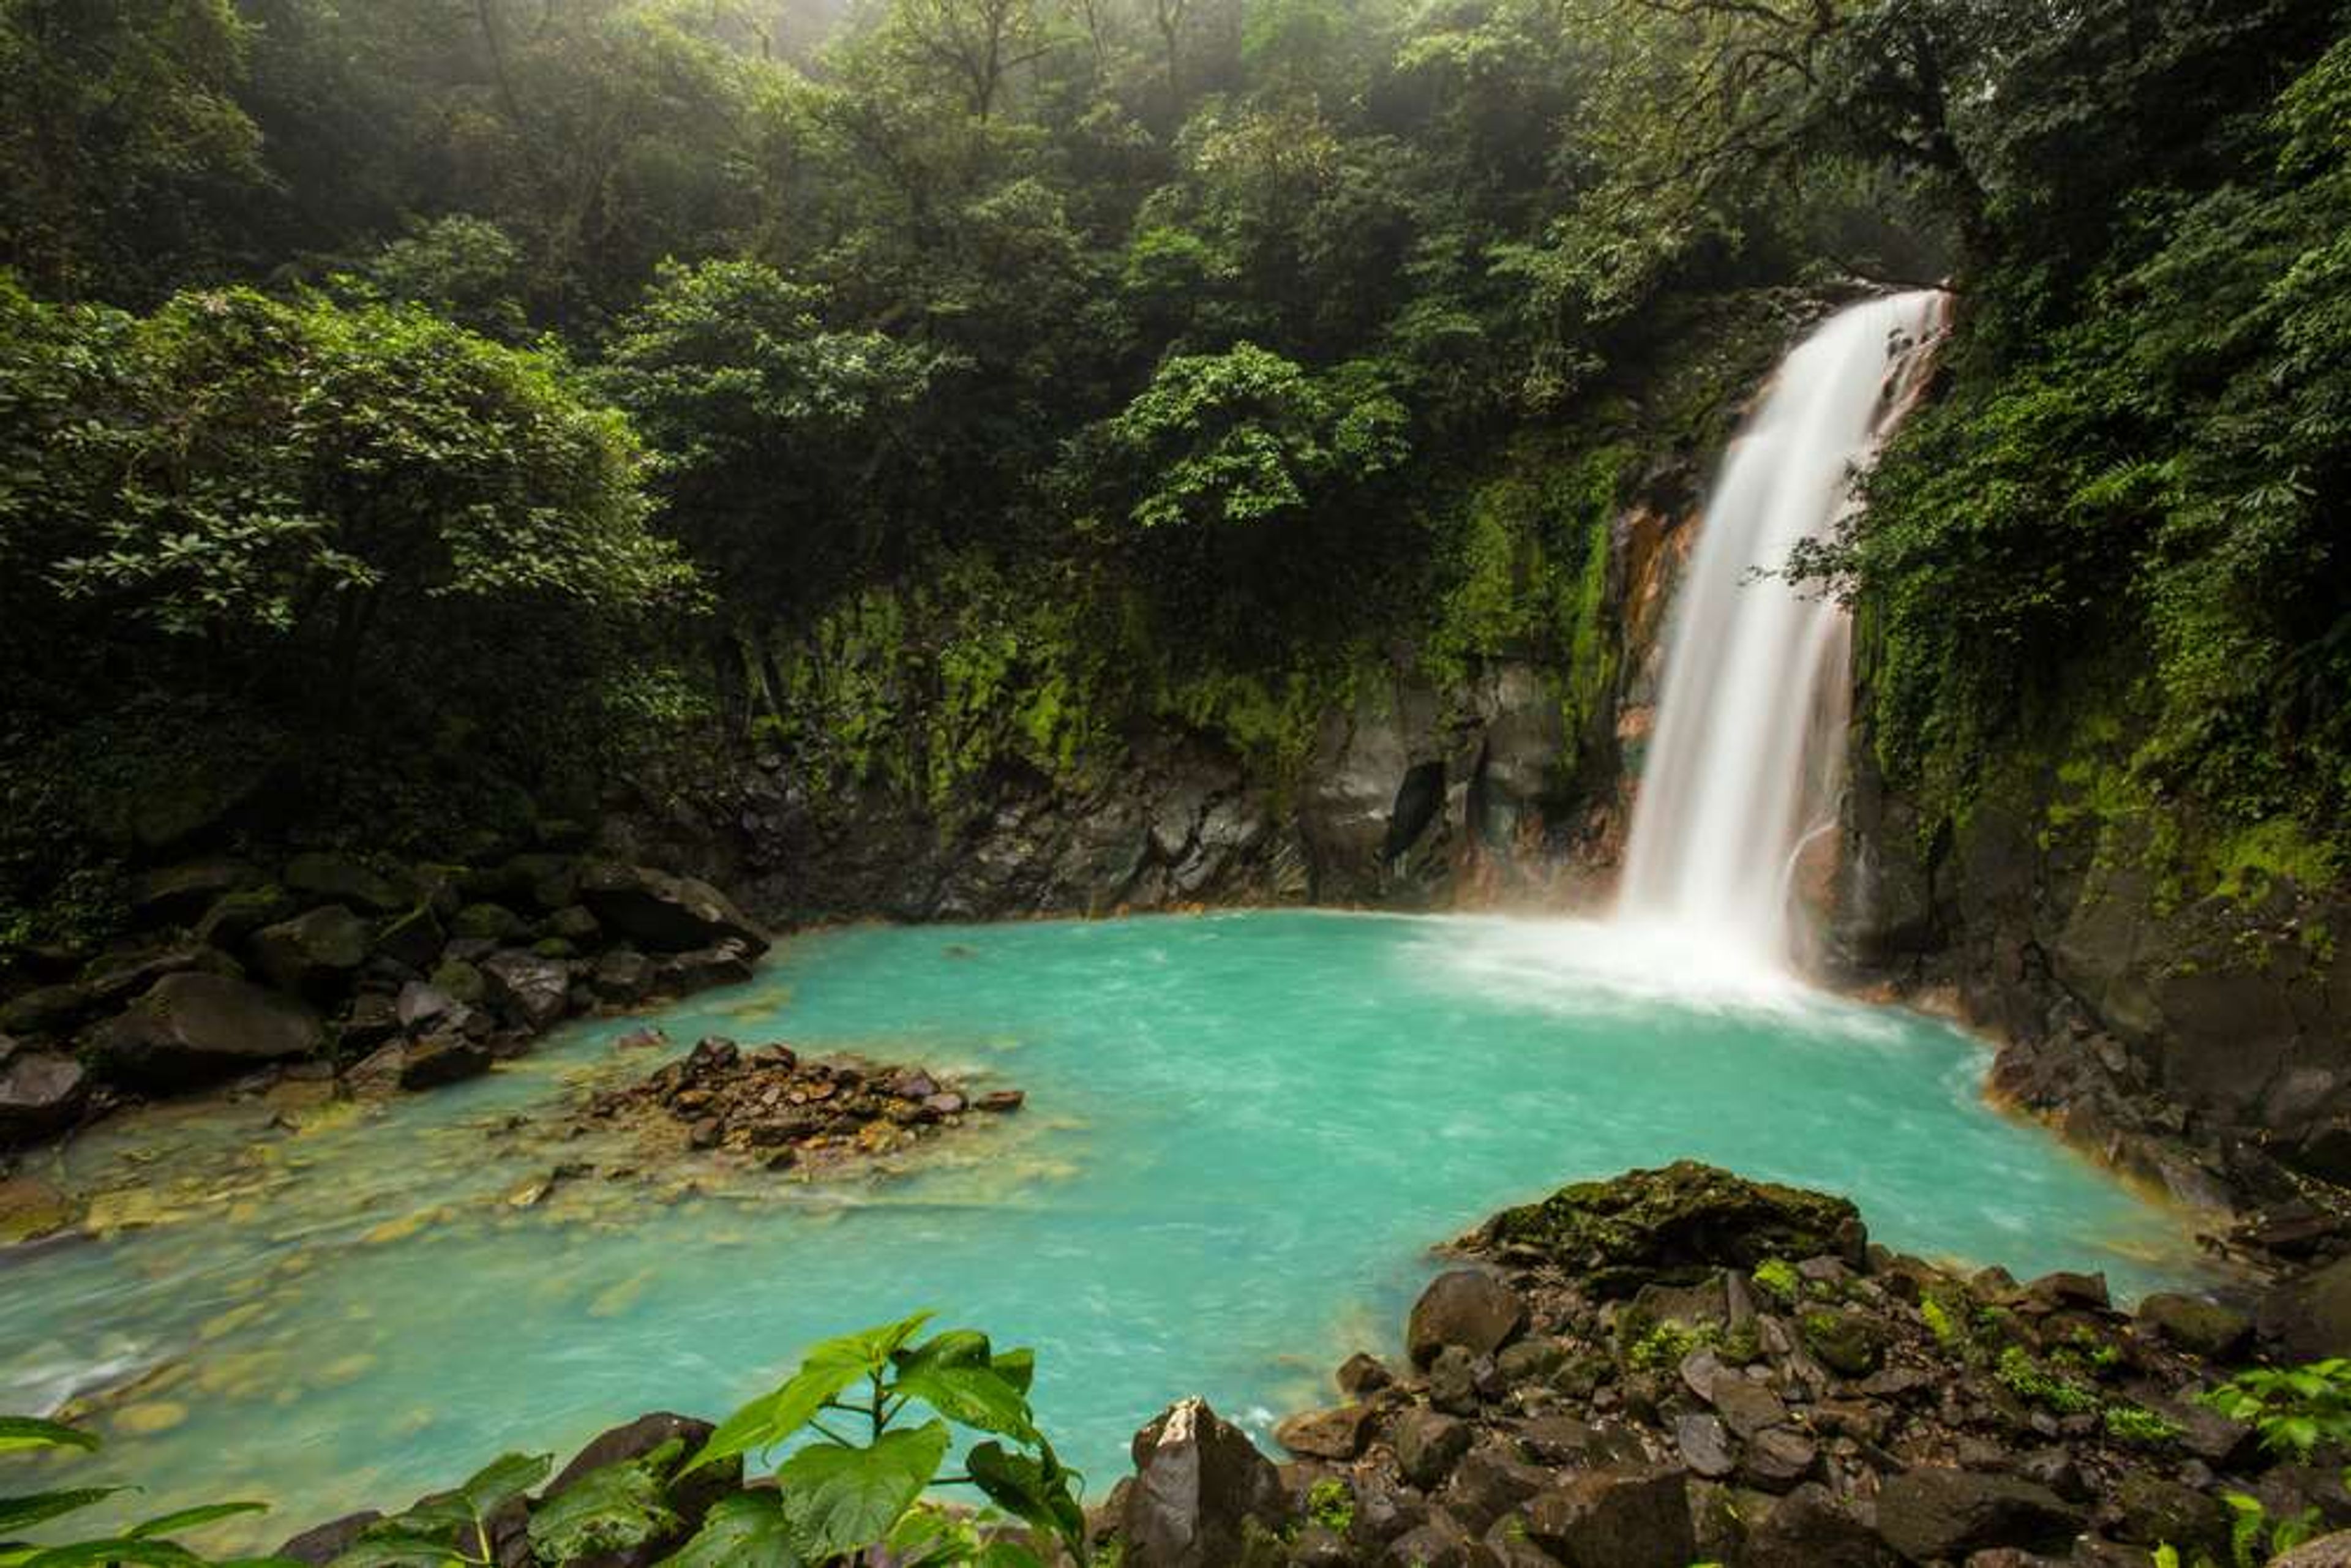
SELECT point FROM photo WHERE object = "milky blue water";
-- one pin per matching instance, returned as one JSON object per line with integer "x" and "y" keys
{"x": 1244, "y": 1134}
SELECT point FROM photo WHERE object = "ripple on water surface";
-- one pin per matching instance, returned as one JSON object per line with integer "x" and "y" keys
{"x": 1244, "y": 1132}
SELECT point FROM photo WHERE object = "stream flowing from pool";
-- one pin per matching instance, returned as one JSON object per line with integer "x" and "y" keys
{"x": 1244, "y": 1132}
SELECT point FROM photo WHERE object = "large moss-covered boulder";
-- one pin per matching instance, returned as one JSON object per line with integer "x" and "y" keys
{"x": 192, "y": 1029}
{"x": 313, "y": 955}
{"x": 339, "y": 879}
{"x": 1674, "y": 1224}
{"x": 666, "y": 914}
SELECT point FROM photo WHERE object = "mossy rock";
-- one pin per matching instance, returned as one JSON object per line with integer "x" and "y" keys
{"x": 489, "y": 923}
{"x": 1674, "y": 1225}
{"x": 1846, "y": 1343}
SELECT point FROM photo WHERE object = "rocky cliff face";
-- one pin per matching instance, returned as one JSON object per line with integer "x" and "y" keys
{"x": 1415, "y": 793}
{"x": 2133, "y": 1016}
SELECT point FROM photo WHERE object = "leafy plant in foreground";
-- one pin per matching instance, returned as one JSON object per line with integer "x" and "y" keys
{"x": 148, "y": 1544}
{"x": 452, "y": 1527}
{"x": 2294, "y": 1409}
{"x": 857, "y": 1477}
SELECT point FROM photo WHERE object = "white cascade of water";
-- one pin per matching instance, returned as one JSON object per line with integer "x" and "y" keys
{"x": 1751, "y": 726}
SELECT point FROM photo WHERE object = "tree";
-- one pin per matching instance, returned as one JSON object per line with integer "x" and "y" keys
{"x": 778, "y": 436}
{"x": 974, "y": 44}
{"x": 118, "y": 122}
{"x": 289, "y": 481}
{"x": 1241, "y": 438}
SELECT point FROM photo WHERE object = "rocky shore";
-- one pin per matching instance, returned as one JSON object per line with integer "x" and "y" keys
{"x": 772, "y": 1107}
{"x": 327, "y": 967}
{"x": 1683, "y": 1367}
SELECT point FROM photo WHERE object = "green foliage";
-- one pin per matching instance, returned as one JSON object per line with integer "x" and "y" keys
{"x": 452, "y": 1526}
{"x": 1777, "y": 1278}
{"x": 1948, "y": 1331}
{"x": 837, "y": 1495}
{"x": 1331, "y": 1503}
{"x": 1662, "y": 1346}
{"x": 2029, "y": 1381}
{"x": 1242, "y": 437}
{"x": 2294, "y": 1409}
{"x": 2158, "y": 474}
{"x": 2255, "y": 1538}
{"x": 2138, "y": 1426}
{"x": 149, "y": 1545}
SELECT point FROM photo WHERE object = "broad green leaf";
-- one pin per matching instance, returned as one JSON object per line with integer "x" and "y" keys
{"x": 842, "y": 1499}
{"x": 973, "y": 1397}
{"x": 1017, "y": 1368}
{"x": 1035, "y": 1491}
{"x": 503, "y": 1479}
{"x": 21, "y": 1432}
{"x": 193, "y": 1518}
{"x": 617, "y": 1508}
{"x": 829, "y": 1368}
{"x": 124, "y": 1553}
{"x": 745, "y": 1531}
{"x": 956, "y": 1373}
{"x": 770, "y": 1418}
{"x": 396, "y": 1549}
{"x": 18, "y": 1512}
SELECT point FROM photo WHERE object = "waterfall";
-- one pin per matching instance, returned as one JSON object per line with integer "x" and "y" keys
{"x": 1743, "y": 765}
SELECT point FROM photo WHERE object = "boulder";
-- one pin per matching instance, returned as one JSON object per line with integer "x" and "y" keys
{"x": 2327, "y": 1552}
{"x": 2158, "y": 1511}
{"x": 1705, "y": 1445}
{"x": 1623, "y": 1517}
{"x": 728, "y": 964}
{"x": 339, "y": 879}
{"x": 424, "y": 1006}
{"x": 47, "y": 1010}
{"x": 1850, "y": 1344}
{"x": 1809, "y": 1529}
{"x": 234, "y": 916}
{"x": 179, "y": 894}
{"x": 313, "y": 955}
{"x": 526, "y": 989}
{"x": 439, "y": 1059}
{"x": 489, "y": 923}
{"x": 373, "y": 1019}
{"x": 1928, "y": 1514}
{"x": 667, "y": 914}
{"x": 1359, "y": 1374}
{"x": 113, "y": 976}
{"x": 1489, "y": 1482}
{"x": 2309, "y": 1317}
{"x": 461, "y": 981}
{"x": 573, "y": 924}
{"x": 41, "y": 1094}
{"x": 2196, "y": 1325}
{"x": 192, "y": 1030}
{"x": 1335, "y": 1433}
{"x": 324, "y": 1543}
{"x": 1199, "y": 1486}
{"x": 1428, "y": 1444}
{"x": 621, "y": 974}
{"x": 1675, "y": 1223}
{"x": 1467, "y": 1308}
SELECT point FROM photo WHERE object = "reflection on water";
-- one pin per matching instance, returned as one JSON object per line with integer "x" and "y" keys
{"x": 1243, "y": 1133}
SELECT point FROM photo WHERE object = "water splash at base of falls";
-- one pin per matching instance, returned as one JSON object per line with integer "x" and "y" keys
{"x": 1750, "y": 730}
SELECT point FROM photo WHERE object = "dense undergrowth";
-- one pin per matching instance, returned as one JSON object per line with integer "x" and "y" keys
{"x": 408, "y": 426}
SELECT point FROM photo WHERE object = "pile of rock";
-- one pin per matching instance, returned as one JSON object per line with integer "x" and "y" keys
{"x": 414, "y": 977}
{"x": 1682, "y": 1366}
{"x": 775, "y": 1107}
